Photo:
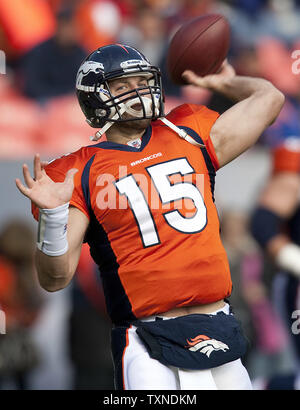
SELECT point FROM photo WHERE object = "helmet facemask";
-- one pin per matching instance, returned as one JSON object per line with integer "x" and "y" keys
{"x": 148, "y": 97}
{"x": 108, "y": 109}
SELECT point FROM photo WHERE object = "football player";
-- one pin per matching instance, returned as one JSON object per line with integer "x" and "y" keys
{"x": 143, "y": 199}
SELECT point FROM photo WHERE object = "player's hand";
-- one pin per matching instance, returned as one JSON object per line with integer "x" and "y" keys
{"x": 212, "y": 81}
{"x": 41, "y": 190}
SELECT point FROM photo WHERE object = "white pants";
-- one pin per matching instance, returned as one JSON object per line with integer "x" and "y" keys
{"x": 141, "y": 372}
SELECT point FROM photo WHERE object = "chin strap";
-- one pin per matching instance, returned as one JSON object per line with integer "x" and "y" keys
{"x": 103, "y": 130}
{"x": 180, "y": 132}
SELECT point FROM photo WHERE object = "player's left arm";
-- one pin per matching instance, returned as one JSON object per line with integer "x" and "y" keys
{"x": 258, "y": 103}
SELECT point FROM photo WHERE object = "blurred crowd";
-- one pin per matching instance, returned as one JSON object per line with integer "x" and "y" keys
{"x": 44, "y": 42}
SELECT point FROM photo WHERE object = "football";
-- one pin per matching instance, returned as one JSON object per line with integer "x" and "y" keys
{"x": 200, "y": 45}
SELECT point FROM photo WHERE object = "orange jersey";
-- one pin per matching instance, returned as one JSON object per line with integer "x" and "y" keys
{"x": 154, "y": 228}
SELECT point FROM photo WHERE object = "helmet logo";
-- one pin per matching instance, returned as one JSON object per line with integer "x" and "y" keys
{"x": 87, "y": 68}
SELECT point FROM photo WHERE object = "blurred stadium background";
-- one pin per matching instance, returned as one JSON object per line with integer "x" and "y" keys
{"x": 65, "y": 335}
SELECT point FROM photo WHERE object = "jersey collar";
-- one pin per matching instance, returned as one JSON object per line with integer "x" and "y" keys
{"x": 124, "y": 147}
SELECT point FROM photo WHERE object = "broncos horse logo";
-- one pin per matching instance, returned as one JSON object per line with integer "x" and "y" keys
{"x": 86, "y": 75}
{"x": 205, "y": 345}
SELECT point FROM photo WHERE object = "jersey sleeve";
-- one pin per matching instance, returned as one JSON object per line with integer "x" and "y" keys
{"x": 200, "y": 119}
{"x": 286, "y": 156}
{"x": 205, "y": 119}
{"x": 57, "y": 170}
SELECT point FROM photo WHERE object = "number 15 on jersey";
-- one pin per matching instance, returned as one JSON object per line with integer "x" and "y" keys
{"x": 168, "y": 193}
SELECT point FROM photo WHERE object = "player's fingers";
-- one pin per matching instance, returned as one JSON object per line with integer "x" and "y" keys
{"x": 223, "y": 66}
{"x": 27, "y": 177}
{"x": 37, "y": 167}
{"x": 230, "y": 71}
{"x": 23, "y": 189}
{"x": 189, "y": 76}
{"x": 226, "y": 69}
{"x": 44, "y": 164}
{"x": 70, "y": 175}
{"x": 192, "y": 78}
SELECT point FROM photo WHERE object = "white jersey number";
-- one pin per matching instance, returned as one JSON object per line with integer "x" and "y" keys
{"x": 168, "y": 193}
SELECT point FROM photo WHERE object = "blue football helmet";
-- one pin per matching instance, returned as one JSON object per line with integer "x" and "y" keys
{"x": 98, "y": 104}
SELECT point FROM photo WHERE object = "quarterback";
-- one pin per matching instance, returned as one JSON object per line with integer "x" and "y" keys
{"x": 143, "y": 199}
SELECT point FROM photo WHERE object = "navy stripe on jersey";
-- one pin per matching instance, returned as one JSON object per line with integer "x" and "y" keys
{"x": 118, "y": 305}
{"x": 85, "y": 182}
{"x": 207, "y": 159}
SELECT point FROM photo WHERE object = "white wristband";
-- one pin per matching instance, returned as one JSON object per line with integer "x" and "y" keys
{"x": 52, "y": 230}
{"x": 288, "y": 258}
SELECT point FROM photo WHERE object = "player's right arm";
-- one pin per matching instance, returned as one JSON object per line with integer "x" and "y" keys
{"x": 57, "y": 265}
{"x": 257, "y": 105}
